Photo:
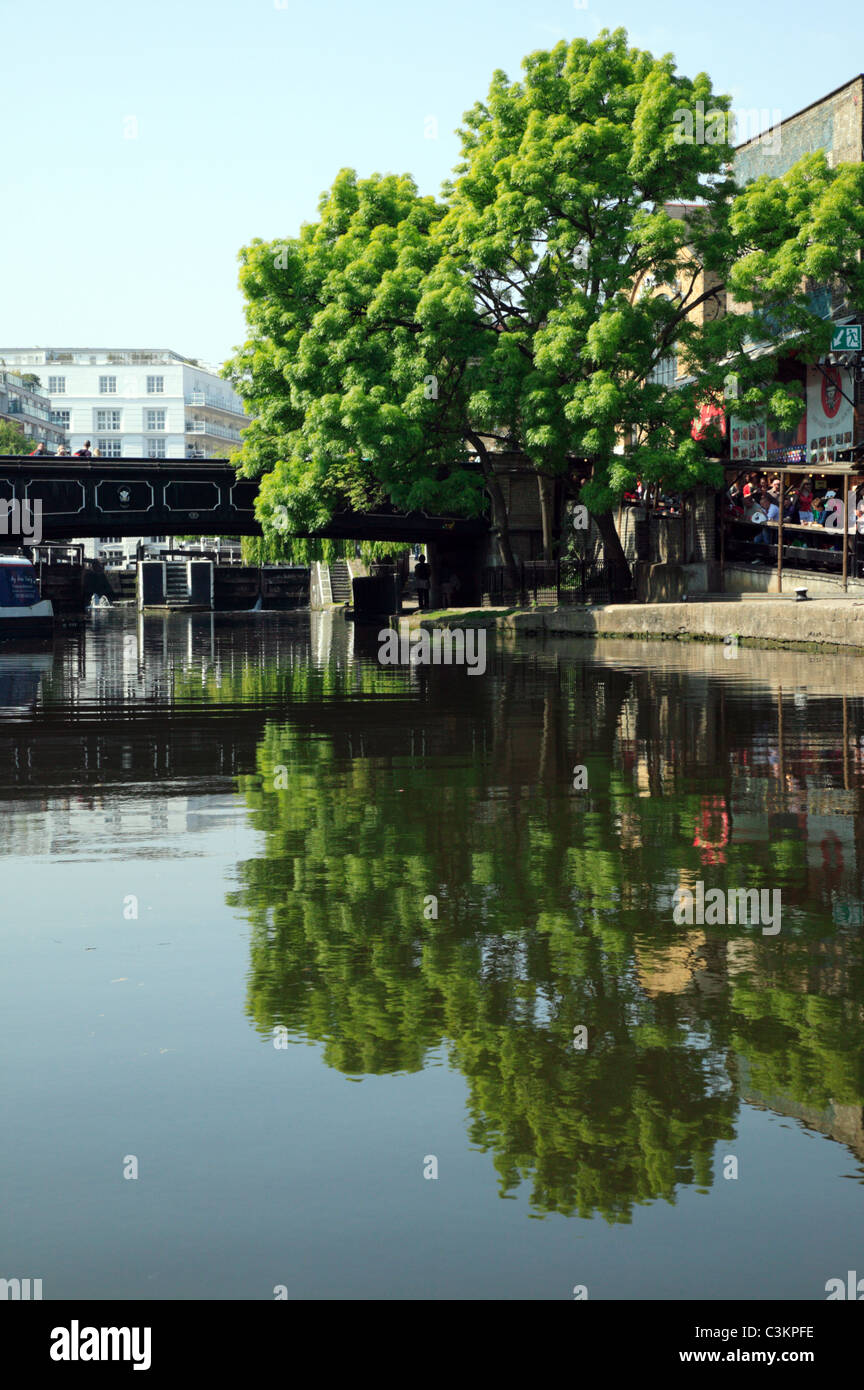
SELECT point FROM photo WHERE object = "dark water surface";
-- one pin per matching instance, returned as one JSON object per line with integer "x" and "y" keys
{"x": 279, "y": 811}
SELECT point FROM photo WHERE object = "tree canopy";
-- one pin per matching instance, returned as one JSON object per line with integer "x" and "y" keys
{"x": 13, "y": 440}
{"x": 582, "y": 242}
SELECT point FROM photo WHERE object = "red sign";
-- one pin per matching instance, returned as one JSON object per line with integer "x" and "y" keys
{"x": 709, "y": 415}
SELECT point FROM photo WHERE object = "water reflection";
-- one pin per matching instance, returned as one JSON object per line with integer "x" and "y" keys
{"x": 554, "y": 908}
{"x": 20, "y": 674}
{"x": 377, "y": 789}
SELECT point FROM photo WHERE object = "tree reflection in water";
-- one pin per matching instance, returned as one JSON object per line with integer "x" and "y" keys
{"x": 555, "y": 908}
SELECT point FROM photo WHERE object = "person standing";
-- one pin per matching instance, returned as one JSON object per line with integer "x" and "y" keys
{"x": 40, "y": 452}
{"x": 85, "y": 452}
{"x": 422, "y": 575}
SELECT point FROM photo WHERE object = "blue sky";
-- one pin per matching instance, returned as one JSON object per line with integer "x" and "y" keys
{"x": 144, "y": 143}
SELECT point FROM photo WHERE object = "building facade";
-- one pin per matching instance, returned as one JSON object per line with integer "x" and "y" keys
{"x": 833, "y": 388}
{"x": 25, "y": 404}
{"x": 135, "y": 403}
{"x": 129, "y": 403}
{"x": 834, "y": 124}
{"x": 120, "y": 552}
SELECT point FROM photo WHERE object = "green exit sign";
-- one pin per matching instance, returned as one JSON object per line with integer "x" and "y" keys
{"x": 847, "y": 339}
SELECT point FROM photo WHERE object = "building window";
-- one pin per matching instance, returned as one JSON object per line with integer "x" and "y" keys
{"x": 109, "y": 448}
{"x": 666, "y": 371}
{"x": 107, "y": 386}
{"x": 107, "y": 419}
{"x": 154, "y": 419}
{"x": 155, "y": 448}
{"x": 60, "y": 417}
{"x": 56, "y": 386}
{"x": 155, "y": 385}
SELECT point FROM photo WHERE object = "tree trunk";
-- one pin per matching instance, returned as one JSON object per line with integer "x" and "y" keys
{"x": 546, "y": 489}
{"x": 617, "y": 568}
{"x": 500, "y": 520}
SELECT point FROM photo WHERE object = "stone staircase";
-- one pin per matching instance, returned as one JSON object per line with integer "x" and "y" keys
{"x": 176, "y": 583}
{"x": 340, "y": 582}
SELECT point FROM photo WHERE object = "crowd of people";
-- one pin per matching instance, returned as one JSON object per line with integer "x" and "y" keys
{"x": 809, "y": 503}
{"x": 759, "y": 499}
{"x": 43, "y": 452}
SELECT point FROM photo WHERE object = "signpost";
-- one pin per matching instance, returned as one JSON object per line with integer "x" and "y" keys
{"x": 846, "y": 339}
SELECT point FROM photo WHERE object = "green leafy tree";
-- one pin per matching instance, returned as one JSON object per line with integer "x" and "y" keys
{"x": 13, "y": 440}
{"x": 340, "y": 370}
{"x": 275, "y": 547}
{"x": 584, "y": 240}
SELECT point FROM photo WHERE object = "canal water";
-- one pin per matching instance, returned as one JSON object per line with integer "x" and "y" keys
{"x": 350, "y": 981}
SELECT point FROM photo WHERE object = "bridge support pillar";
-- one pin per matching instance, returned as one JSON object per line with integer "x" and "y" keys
{"x": 434, "y": 558}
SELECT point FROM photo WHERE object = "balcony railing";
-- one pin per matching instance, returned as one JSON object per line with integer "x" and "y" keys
{"x": 105, "y": 358}
{"x": 32, "y": 396}
{"x": 210, "y": 427}
{"x": 30, "y": 412}
{"x": 204, "y": 399}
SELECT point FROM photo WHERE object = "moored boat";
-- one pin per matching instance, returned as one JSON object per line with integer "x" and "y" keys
{"x": 23, "y": 613}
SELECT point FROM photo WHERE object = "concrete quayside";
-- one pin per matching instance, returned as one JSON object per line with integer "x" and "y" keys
{"x": 777, "y": 621}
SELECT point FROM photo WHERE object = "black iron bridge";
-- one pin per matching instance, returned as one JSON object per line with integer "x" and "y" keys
{"x": 178, "y": 497}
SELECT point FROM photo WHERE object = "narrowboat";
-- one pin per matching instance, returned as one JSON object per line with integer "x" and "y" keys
{"x": 23, "y": 613}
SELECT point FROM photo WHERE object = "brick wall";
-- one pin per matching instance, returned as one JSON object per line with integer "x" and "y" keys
{"x": 833, "y": 124}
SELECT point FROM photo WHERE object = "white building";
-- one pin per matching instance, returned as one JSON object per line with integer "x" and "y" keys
{"x": 121, "y": 551}
{"x": 133, "y": 403}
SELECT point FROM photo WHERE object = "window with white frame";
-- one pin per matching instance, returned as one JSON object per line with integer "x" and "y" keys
{"x": 56, "y": 386}
{"x": 107, "y": 419}
{"x": 61, "y": 417}
{"x": 154, "y": 419}
{"x": 155, "y": 448}
{"x": 155, "y": 385}
{"x": 107, "y": 386}
{"x": 109, "y": 448}
{"x": 665, "y": 372}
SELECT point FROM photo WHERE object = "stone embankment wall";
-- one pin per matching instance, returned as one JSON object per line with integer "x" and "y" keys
{"x": 767, "y": 622}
